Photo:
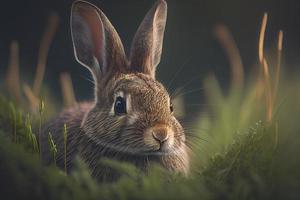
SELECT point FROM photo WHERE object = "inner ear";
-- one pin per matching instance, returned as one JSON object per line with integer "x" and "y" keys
{"x": 147, "y": 44}
{"x": 97, "y": 45}
{"x": 88, "y": 36}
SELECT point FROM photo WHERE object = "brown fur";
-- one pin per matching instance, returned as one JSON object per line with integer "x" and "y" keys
{"x": 94, "y": 130}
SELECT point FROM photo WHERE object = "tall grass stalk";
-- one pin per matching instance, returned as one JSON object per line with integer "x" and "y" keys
{"x": 270, "y": 82}
{"x": 67, "y": 90}
{"x": 13, "y": 76}
{"x": 35, "y": 146}
{"x": 53, "y": 148}
{"x": 278, "y": 66}
{"x": 41, "y": 112}
{"x": 30, "y": 136}
{"x": 65, "y": 134}
{"x": 43, "y": 52}
{"x": 33, "y": 100}
{"x": 231, "y": 49}
{"x": 14, "y": 121}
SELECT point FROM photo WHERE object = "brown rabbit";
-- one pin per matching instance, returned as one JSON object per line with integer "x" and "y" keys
{"x": 131, "y": 118}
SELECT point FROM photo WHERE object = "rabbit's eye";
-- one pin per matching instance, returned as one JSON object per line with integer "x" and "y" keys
{"x": 120, "y": 106}
{"x": 171, "y": 108}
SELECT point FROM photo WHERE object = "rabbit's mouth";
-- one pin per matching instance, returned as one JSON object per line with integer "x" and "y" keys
{"x": 158, "y": 152}
{"x": 163, "y": 150}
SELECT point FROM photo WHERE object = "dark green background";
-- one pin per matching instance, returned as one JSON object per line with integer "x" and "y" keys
{"x": 189, "y": 40}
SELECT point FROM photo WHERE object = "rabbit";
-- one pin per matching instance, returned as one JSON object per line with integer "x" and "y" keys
{"x": 131, "y": 117}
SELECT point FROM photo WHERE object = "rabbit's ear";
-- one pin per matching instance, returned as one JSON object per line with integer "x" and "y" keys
{"x": 147, "y": 43}
{"x": 97, "y": 45}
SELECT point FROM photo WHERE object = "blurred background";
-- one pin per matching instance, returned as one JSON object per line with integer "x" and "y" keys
{"x": 191, "y": 51}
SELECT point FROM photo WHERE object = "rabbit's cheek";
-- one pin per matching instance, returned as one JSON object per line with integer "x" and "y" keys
{"x": 132, "y": 118}
{"x": 168, "y": 145}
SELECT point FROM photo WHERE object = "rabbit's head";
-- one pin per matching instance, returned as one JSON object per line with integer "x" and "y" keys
{"x": 132, "y": 117}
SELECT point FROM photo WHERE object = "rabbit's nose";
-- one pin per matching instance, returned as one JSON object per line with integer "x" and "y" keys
{"x": 160, "y": 134}
{"x": 159, "y": 137}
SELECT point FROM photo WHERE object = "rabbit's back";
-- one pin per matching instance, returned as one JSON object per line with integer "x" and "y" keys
{"x": 72, "y": 118}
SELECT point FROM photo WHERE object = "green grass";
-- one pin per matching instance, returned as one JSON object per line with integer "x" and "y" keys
{"x": 243, "y": 156}
{"x": 246, "y": 143}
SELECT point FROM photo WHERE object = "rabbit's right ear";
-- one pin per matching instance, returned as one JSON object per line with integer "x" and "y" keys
{"x": 147, "y": 44}
{"x": 97, "y": 45}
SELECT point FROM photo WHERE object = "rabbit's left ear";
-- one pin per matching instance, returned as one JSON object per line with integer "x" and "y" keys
{"x": 97, "y": 45}
{"x": 147, "y": 43}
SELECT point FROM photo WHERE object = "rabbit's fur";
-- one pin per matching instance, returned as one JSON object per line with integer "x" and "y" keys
{"x": 148, "y": 132}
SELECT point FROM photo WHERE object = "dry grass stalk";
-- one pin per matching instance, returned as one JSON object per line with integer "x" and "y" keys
{"x": 43, "y": 52}
{"x": 268, "y": 91}
{"x": 262, "y": 38}
{"x": 278, "y": 67}
{"x": 67, "y": 90}
{"x": 265, "y": 76}
{"x": 13, "y": 75}
{"x": 270, "y": 87}
{"x": 225, "y": 38}
{"x": 33, "y": 100}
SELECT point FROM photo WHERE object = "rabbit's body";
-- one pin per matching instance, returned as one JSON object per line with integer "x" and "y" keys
{"x": 72, "y": 118}
{"x": 131, "y": 118}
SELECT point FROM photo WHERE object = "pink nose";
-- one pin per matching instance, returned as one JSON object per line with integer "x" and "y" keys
{"x": 160, "y": 134}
